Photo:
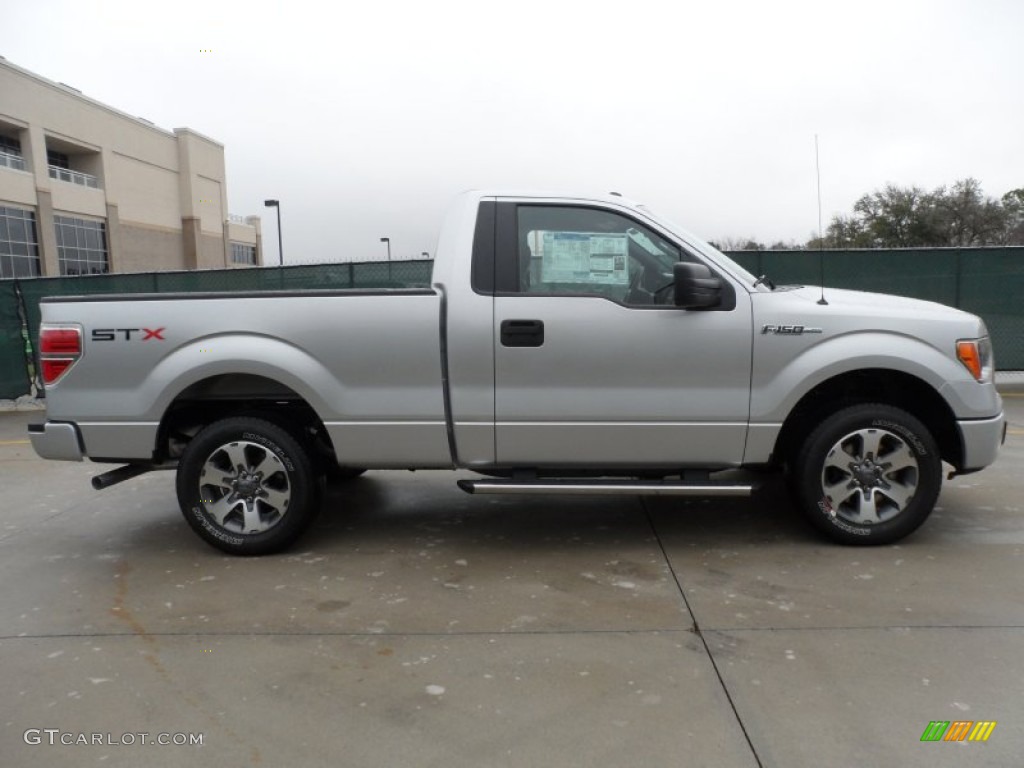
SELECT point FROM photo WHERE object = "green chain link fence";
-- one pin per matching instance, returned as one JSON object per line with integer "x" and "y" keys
{"x": 986, "y": 281}
{"x": 14, "y": 380}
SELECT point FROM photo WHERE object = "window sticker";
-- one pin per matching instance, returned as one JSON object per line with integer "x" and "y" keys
{"x": 585, "y": 257}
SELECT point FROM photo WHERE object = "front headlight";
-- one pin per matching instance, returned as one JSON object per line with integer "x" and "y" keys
{"x": 976, "y": 355}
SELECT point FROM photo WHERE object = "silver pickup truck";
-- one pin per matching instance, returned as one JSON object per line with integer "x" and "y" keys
{"x": 567, "y": 345}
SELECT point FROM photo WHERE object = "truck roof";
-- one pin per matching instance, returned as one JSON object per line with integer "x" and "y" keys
{"x": 613, "y": 198}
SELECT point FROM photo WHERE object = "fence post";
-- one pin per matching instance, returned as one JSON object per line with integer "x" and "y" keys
{"x": 959, "y": 273}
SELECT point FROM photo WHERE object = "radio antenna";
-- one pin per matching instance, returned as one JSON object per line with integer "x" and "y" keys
{"x": 821, "y": 238}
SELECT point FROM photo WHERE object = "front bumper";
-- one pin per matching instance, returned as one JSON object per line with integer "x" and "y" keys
{"x": 57, "y": 440}
{"x": 981, "y": 440}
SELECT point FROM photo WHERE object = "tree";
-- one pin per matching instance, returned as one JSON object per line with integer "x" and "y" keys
{"x": 845, "y": 232}
{"x": 898, "y": 217}
{"x": 1013, "y": 205}
{"x": 968, "y": 217}
{"x": 738, "y": 244}
{"x": 911, "y": 217}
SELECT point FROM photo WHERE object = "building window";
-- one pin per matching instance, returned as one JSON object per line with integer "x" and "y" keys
{"x": 243, "y": 254}
{"x": 81, "y": 246}
{"x": 58, "y": 159}
{"x": 19, "y": 246}
{"x": 10, "y": 153}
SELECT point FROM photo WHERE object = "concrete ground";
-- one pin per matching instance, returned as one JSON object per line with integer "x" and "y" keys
{"x": 418, "y": 626}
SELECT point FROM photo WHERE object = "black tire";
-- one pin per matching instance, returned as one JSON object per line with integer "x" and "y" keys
{"x": 246, "y": 486}
{"x": 868, "y": 474}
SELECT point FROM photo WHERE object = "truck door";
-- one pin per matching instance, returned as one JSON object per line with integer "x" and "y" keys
{"x": 594, "y": 365}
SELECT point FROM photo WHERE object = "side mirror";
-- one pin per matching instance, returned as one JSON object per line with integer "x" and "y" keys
{"x": 695, "y": 287}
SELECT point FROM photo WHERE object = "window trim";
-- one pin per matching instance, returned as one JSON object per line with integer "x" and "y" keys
{"x": 482, "y": 267}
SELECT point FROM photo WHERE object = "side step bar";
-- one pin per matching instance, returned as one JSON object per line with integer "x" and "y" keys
{"x": 604, "y": 487}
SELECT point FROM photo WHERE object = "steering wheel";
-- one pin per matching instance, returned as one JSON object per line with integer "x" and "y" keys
{"x": 636, "y": 294}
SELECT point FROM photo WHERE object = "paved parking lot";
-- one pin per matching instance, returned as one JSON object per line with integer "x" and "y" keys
{"x": 418, "y": 626}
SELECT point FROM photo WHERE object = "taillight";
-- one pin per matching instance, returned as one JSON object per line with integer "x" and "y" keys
{"x": 60, "y": 341}
{"x": 59, "y": 349}
{"x": 54, "y": 369}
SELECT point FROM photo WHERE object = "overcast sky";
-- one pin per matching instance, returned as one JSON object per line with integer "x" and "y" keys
{"x": 365, "y": 119}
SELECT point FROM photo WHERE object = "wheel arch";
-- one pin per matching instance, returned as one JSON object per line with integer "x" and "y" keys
{"x": 225, "y": 395}
{"x": 872, "y": 385}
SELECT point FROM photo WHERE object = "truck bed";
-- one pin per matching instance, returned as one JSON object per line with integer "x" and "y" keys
{"x": 368, "y": 361}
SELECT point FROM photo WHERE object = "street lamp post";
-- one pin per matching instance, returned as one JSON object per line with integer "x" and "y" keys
{"x": 387, "y": 241}
{"x": 280, "y": 247}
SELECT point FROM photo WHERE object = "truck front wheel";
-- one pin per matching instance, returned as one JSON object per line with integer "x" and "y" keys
{"x": 246, "y": 486}
{"x": 868, "y": 474}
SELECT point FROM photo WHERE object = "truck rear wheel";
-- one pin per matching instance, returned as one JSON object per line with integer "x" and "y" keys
{"x": 246, "y": 486}
{"x": 868, "y": 474}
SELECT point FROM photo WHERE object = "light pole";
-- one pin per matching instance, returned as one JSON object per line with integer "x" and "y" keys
{"x": 280, "y": 247}
{"x": 387, "y": 240}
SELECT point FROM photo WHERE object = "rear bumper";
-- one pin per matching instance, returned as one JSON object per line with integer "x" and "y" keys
{"x": 981, "y": 441}
{"x": 57, "y": 440}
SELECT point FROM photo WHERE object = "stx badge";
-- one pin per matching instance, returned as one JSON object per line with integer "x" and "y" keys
{"x": 125, "y": 334}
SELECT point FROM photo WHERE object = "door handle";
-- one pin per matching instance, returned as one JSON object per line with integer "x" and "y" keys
{"x": 522, "y": 333}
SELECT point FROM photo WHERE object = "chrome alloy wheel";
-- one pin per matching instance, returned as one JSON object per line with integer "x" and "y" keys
{"x": 244, "y": 487}
{"x": 869, "y": 476}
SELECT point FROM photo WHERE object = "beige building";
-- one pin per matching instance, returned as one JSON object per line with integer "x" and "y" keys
{"x": 86, "y": 189}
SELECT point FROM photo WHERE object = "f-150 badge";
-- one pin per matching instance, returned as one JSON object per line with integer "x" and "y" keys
{"x": 788, "y": 330}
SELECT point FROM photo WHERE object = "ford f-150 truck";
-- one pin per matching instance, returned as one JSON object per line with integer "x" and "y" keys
{"x": 566, "y": 345}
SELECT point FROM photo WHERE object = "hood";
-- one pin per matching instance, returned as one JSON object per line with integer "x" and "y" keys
{"x": 859, "y": 311}
{"x": 843, "y": 301}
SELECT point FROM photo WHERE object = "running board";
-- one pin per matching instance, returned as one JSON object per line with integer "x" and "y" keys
{"x": 602, "y": 487}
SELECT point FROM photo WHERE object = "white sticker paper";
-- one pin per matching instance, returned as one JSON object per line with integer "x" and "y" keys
{"x": 585, "y": 257}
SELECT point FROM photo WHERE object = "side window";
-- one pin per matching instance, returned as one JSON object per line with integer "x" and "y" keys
{"x": 566, "y": 249}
